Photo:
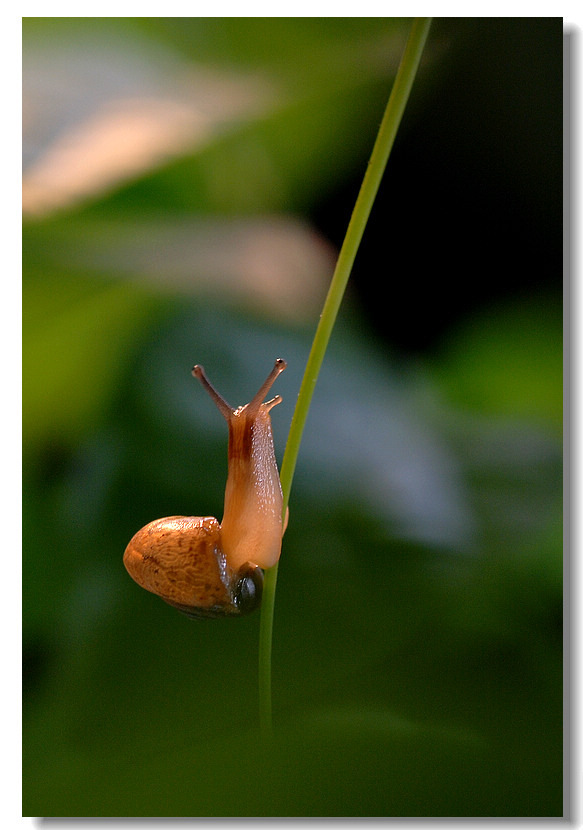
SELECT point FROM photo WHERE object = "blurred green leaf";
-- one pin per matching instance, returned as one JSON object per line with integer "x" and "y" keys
{"x": 245, "y": 136}
{"x": 77, "y": 340}
{"x": 508, "y": 361}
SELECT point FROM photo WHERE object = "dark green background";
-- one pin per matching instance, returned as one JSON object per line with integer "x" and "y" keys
{"x": 418, "y": 631}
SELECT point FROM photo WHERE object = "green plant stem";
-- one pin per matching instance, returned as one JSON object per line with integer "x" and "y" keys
{"x": 376, "y": 166}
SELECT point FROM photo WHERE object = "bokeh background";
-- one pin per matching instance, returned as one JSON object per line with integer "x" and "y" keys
{"x": 187, "y": 184}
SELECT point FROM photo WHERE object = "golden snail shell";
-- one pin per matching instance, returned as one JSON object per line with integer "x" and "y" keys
{"x": 207, "y": 569}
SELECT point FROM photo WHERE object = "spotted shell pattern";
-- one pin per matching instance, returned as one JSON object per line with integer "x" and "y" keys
{"x": 179, "y": 559}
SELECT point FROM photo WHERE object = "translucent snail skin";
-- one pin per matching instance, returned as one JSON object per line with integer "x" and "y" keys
{"x": 207, "y": 569}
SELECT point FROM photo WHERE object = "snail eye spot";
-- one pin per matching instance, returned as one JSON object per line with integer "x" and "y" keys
{"x": 248, "y": 588}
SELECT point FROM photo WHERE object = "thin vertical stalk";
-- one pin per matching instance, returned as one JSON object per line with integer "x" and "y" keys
{"x": 376, "y": 166}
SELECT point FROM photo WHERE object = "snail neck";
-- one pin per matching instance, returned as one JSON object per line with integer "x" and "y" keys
{"x": 251, "y": 529}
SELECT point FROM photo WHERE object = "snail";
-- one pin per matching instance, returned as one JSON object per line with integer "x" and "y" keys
{"x": 207, "y": 569}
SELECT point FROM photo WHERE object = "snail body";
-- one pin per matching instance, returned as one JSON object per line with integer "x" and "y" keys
{"x": 207, "y": 569}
